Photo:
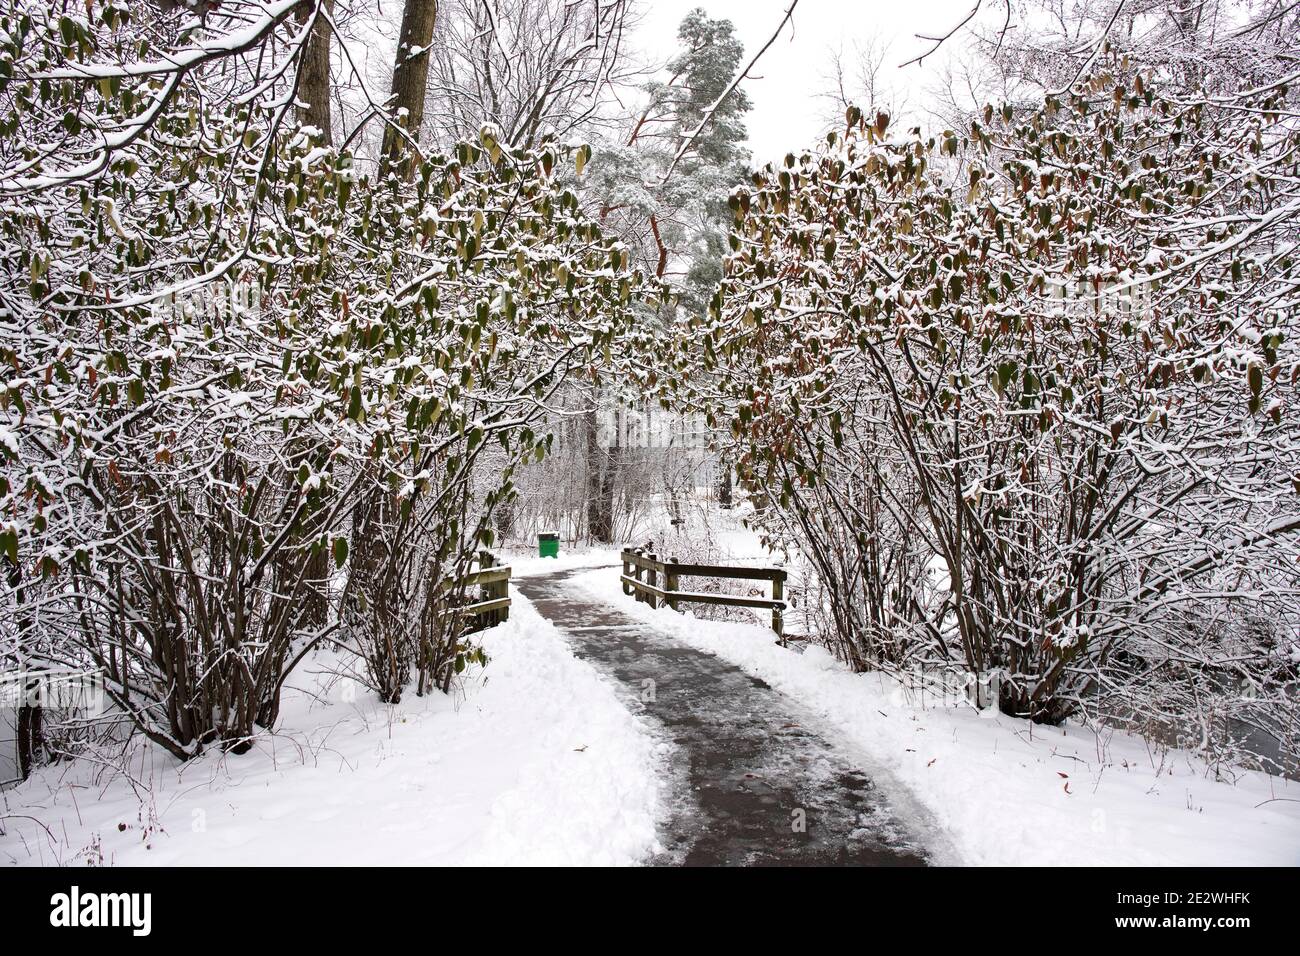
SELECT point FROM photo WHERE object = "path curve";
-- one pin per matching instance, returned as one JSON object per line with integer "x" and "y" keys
{"x": 750, "y": 763}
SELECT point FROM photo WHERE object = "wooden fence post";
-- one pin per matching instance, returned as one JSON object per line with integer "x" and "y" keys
{"x": 487, "y": 590}
{"x": 670, "y": 579}
{"x": 627, "y": 572}
{"x": 652, "y": 578}
{"x": 778, "y": 615}
{"x": 640, "y": 596}
{"x": 502, "y": 590}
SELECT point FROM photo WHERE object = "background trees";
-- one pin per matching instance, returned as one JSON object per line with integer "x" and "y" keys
{"x": 532, "y": 68}
{"x": 542, "y": 67}
{"x": 674, "y": 213}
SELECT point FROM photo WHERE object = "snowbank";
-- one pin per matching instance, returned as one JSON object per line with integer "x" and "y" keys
{"x": 537, "y": 763}
{"x": 1008, "y": 792}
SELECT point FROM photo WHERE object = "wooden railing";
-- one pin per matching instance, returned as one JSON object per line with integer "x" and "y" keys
{"x": 493, "y": 605}
{"x": 643, "y": 572}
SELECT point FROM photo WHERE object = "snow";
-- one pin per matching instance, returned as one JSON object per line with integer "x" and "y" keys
{"x": 535, "y": 763}
{"x": 527, "y": 563}
{"x": 1007, "y": 792}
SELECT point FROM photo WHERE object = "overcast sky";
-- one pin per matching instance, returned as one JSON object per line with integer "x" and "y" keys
{"x": 788, "y": 113}
{"x": 790, "y": 82}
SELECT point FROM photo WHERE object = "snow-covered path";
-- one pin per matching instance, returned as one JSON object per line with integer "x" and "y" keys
{"x": 757, "y": 780}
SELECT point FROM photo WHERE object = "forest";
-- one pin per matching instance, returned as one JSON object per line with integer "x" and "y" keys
{"x": 288, "y": 339}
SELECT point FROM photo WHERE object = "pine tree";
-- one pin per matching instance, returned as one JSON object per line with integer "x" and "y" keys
{"x": 718, "y": 160}
{"x": 676, "y": 217}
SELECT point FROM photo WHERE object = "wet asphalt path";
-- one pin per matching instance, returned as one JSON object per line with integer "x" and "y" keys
{"x": 756, "y": 782}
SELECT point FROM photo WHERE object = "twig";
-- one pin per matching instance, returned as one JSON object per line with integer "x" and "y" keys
{"x": 731, "y": 88}
{"x": 1096, "y": 48}
{"x": 938, "y": 41}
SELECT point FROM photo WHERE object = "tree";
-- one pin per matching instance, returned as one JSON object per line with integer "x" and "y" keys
{"x": 314, "y": 70}
{"x": 678, "y": 220}
{"x": 410, "y": 84}
{"x": 530, "y": 68}
{"x": 95, "y": 517}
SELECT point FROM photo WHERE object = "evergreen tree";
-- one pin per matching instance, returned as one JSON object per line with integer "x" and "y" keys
{"x": 677, "y": 217}
{"x": 718, "y": 160}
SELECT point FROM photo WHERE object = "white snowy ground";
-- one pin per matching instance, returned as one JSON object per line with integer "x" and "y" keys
{"x": 538, "y": 762}
{"x": 524, "y": 564}
{"x": 1008, "y": 792}
{"x": 535, "y": 763}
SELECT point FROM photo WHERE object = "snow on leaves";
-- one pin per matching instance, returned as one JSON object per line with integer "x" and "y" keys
{"x": 251, "y": 395}
{"x": 1022, "y": 394}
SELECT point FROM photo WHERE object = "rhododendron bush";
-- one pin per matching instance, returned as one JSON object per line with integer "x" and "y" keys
{"x": 254, "y": 396}
{"x": 1024, "y": 395}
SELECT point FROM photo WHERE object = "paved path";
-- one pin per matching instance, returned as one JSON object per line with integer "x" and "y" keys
{"x": 750, "y": 762}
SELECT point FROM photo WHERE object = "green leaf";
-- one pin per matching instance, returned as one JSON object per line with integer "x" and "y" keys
{"x": 340, "y": 549}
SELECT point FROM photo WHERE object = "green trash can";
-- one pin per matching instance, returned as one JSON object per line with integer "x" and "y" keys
{"x": 548, "y": 544}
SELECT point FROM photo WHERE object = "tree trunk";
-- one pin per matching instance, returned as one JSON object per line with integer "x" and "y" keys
{"x": 410, "y": 82}
{"x": 724, "y": 483}
{"x": 601, "y": 472}
{"x": 314, "y": 74}
{"x": 30, "y": 740}
{"x": 608, "y": 475}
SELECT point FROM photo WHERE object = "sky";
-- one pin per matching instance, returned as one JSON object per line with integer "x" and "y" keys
{"x": 787, "y": 85}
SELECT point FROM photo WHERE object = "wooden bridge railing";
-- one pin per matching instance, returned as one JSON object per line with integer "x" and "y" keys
{"x": 643, "y": 571}
{"x": 493, "y": 605}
